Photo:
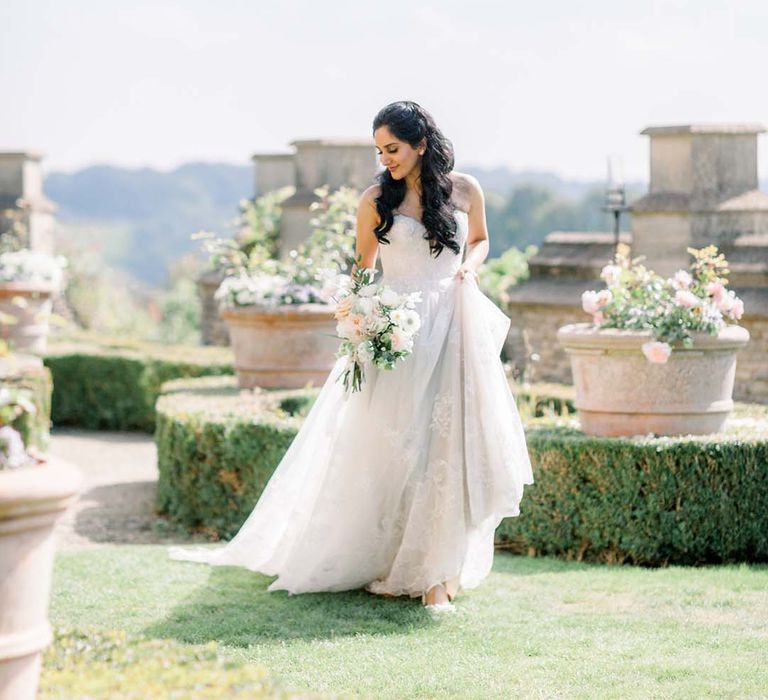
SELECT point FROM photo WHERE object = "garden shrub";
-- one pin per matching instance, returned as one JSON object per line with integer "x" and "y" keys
{"x": 646, "y": 500}
{"x": 115, "y": 387}
{"x": 643, "y": 500}
{"x": 217, "y": 447}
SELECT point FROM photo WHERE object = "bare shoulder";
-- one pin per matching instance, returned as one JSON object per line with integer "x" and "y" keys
{"x": 370, "y": 194}
{"x": 466, "y": 189}
{"x": 465, "y": 182}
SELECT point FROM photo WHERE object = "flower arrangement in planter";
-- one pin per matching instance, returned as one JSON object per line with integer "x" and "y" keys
{"x": 694, "y": 300}
{"x": 280, "y": 311}
{"x": 14, "y": 402}
{"x": 28, "y": 280}
{"x": 660, "y": 354}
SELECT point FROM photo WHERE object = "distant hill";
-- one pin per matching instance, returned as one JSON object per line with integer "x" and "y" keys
{"x": 147, "y": 216}
{"x": 142, "y": 219}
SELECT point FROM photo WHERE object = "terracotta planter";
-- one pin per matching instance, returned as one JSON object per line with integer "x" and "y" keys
{"x": 31, "y": 500}
{"x": 30, "y": 332}
{"x": 288, "y": 346}
{"x": 618, "y": 392}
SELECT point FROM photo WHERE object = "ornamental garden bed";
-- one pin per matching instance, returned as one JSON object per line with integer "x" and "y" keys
{"x": 642, "y": 500}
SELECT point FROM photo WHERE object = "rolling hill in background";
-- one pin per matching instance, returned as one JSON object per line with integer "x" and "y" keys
{"x": 141, "y": 220}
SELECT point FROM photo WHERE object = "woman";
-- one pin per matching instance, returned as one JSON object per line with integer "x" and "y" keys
{"x": 399, "y": 488}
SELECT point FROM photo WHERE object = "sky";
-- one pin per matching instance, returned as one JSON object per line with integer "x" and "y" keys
{"x": 551, "y": 85}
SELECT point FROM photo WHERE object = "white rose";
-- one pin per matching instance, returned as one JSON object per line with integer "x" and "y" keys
{"x": 389, "y": 297}
{"x": 365, "y": 351}
{"x": 363, "y": 306}
{"x": 400, "y": 341}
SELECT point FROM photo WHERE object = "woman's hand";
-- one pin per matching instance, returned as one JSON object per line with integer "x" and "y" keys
{"x": 466, "y": 269}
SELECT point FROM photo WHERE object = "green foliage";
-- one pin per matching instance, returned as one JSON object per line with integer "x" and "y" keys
{"x": 217, "y": 447}
{"x": 256, "y": 276}
{"x": 111, "y": 664}
{"x": 115, "y": 387}
{"x": 532, "y": 211}
{"x": 179, "y": 305}
{"x": 497, "y": 275}
{"x": 649, "y": 501}
{"x": 35, "y": 384}
{"x": 259, "y": 222}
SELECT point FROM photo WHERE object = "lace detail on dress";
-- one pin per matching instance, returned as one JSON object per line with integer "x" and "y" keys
{"x": 441, "y": 415}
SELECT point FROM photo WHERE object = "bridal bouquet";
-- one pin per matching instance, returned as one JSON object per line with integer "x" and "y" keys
{"x": 376, "y": 325}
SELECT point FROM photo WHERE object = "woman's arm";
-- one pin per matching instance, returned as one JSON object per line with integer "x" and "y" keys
{"x": 478, "y": 244}
{"x": 366, "y": 244}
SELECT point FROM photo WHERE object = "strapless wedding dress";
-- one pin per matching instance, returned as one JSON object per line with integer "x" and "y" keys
{"x": 402, "y": 485}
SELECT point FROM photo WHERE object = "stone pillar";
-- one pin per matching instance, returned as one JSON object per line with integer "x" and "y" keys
{"x": 21, "y": 178}
{"x": 700, "y": 174}
{"x": 273, "y": 171}
{"x": 319, "y": 162}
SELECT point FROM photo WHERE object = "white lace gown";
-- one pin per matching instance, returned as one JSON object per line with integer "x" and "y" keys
{"x": 402, "y": 485}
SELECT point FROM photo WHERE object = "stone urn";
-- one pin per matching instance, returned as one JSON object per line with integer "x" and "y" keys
{"x": 619, "y": 392}
{"x": 284, "y": 347}
{"x": 31, "y": 500}
{"x": 30, "y": 303}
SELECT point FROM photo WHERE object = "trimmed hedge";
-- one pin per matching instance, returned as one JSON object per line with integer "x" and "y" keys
{"x": 217, "y": 447}
{"x": 115, "y": 387}
{"x": 651, "y": 501}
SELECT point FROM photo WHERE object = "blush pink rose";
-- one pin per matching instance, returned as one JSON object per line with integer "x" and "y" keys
{"x": 737, "y": 309}
{"x": 655, "y": 351}
{"x": 343, "y": 307}
{"x": 686, "y": 299}
{"x": 716, "y": 291}
{"x": 592, "y": 302}
{"x": 681, "y": 280}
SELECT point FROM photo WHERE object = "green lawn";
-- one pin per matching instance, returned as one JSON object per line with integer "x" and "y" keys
{"x": 534, "y": 628}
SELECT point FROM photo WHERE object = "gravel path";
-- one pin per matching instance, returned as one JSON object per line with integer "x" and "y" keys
{"x": 116, "y": 505}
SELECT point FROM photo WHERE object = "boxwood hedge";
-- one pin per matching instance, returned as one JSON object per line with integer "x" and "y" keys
{"x": 644, "y": 500}
{"x": 115, "y": 387}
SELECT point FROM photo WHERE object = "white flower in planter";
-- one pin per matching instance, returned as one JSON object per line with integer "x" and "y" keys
{"x": 12, "y": 451}
{"x": 32, "y": 266}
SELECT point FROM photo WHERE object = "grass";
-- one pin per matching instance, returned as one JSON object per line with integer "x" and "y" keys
{"x": 534, "y": 628}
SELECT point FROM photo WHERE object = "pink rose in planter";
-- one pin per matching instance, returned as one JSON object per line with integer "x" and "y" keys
{"x": 686, "y": 299}
{"x": 737, "y": 310}
{"x": 655, "y": 351}
{"x": 681, "y": 280}
{"x": 717, "y": 291}
{"x": 731, "y": 305}
{"x": 592, "y": 302}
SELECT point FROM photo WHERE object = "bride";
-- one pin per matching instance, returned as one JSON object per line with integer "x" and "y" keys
{"x": 399, "y": 488}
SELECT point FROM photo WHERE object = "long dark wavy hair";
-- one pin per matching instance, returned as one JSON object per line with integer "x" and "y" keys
{"x": 410, "y": 122}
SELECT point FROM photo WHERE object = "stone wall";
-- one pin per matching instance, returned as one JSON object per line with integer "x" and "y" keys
{"x": 532, "y": 347}
{"x": 213, "y": 330}
{"x": 752, "y": 363}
